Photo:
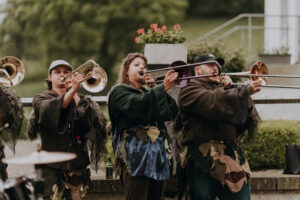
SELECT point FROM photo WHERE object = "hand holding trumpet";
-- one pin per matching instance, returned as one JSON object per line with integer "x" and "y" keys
{"x": 90, "y": 75}
{"x": 75, "y": 81}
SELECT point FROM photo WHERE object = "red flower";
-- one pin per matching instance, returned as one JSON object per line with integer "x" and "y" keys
{"x": 157, "y": 34}
{"x": 140, "y": 31}
{"x": 153, "y": 26}
{"x": 164, "y": 28}
{"x": 176, "y": 27}
{"x": 137, "y": 40}
{"x": 157, "y": 30}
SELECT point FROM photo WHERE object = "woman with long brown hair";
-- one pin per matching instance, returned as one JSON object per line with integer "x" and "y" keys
{"x": 138, "y": 109}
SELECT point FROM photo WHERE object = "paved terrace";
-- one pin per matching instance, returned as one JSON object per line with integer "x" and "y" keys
{"x": 270, "y": 184}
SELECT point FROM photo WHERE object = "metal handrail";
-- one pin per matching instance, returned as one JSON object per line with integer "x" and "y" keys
{"x": 237, "y": 28}
{"x": 249, "y": 27}
{"x": 226, "y": 24}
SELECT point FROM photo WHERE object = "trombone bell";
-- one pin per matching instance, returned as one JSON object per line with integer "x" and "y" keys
{"x": 94, "y": 76}
{"x": 12, "y": 71}
{"x": 95, "y": 79}
{"x": 259, "y": 68}
{"x": 182, "y": 73}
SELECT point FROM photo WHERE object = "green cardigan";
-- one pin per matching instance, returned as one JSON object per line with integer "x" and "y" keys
{"x": 129, "y": 107}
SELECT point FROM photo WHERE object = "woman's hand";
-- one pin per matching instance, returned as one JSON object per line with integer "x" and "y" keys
{"x": 149, "y": 80}
{"x": 170, "y": 79}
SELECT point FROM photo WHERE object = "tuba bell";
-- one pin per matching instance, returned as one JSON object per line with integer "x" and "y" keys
{"x": 12, "y": 71}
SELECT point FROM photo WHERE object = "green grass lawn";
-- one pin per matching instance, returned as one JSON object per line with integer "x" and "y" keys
{"x": 193, "y": 28}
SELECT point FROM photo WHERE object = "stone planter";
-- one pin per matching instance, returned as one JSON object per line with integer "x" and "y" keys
{"x": 275, "y": 58}
{"x": 165, "y": 54}
{"x": 161, "y": 56}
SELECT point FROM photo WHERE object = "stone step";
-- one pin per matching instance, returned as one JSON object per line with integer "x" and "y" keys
{"x": 267, "y": 184}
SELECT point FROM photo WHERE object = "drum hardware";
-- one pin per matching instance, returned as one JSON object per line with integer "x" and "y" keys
{"x": 40, "y": 157}
{"x": 20, "y": 188}
{"x": 31, "y": 187}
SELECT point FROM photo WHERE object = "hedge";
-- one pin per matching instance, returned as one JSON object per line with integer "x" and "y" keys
{"x": 267, "y": 151}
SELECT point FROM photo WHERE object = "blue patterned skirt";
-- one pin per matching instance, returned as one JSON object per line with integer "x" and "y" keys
{"x": 146, "y": 158}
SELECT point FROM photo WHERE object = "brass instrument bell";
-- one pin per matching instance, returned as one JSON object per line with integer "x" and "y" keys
{"x": 12, "y": 71}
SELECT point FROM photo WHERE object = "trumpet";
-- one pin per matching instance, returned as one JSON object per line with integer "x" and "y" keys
{"x": 12, "y": 71}
{"x": 94, "y": 76}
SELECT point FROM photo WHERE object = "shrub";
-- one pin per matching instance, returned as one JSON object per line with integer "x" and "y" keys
{"x": 234, "y": 58}
{"x": 268, "y": 149}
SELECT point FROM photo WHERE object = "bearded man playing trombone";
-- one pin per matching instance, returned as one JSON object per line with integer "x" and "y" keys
{"x": 214, "y": 115}
{"x": 67, "y": 122}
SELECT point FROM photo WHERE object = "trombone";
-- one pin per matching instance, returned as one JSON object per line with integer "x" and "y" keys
{"x": 94, "y": 76}
{"x": 258, "y": 71}
{"x": 12, "y": 71}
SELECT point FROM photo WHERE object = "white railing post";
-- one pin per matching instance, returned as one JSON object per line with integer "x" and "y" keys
{"x": 249, "y": 38}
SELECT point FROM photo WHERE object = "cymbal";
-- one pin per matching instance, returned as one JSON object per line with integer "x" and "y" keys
{"x": 41, "y": 157}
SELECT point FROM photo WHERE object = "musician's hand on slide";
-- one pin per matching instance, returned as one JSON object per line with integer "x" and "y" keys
{"x": 149, "y": 80}
{"x": 170, "y": 79}
{"x": 254, "y": 86}
{"x": 225, "y": 81}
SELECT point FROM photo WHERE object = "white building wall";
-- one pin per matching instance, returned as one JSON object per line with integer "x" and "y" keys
{"x": 294, "y": 35}
{"x": 282, "y": 27}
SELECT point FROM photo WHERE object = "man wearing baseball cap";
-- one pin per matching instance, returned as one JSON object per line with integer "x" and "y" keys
{"x": 56, "y": 66}
{"x": 57, "y": 63}
{"x": 213, "y": 118}
{"x": 67, "y": 122}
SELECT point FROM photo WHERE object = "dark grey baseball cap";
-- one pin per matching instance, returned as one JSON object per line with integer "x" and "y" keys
{"x": 57, "y": 63}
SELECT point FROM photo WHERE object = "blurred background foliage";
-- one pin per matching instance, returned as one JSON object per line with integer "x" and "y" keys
{"x": 75, "y": 30}
{"x": 215, "y": 8}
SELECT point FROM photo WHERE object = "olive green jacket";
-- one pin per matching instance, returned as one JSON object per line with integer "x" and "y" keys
{"x": 78, "y": 129}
